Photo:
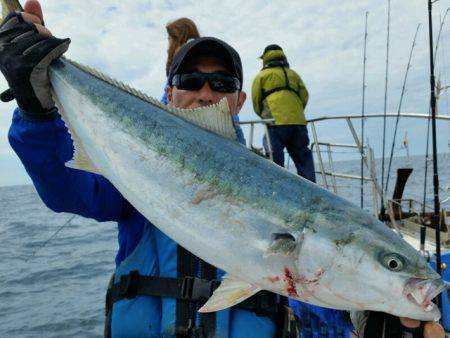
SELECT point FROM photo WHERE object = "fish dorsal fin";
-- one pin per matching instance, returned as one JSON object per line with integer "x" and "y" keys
{"x": 230, "y": 292}
{"x": 216, "y": 118}
{"x": 80, "y": 158}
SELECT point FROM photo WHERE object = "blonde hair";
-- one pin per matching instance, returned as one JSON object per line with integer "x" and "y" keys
{"x": 179, "y": 31}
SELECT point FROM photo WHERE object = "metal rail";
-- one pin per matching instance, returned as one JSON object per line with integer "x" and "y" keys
{"x": 328, "y": 173}
{"x": 340, "y": 145}
{"x": 265, "y": 123}
{"x": 319, "y": 155}
{"x": 260, "y": 121}
{"x": 358, "y": 116}
{"x": 361, "y": 151}
{"x": 356, "y": 177}
{"x": 373, "y": 173}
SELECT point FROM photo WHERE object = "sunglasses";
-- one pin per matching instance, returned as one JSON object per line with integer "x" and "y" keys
{"x": 218, "y": 82}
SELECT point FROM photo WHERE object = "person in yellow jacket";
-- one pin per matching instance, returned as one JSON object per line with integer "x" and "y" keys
{"x": 278, "y": 92}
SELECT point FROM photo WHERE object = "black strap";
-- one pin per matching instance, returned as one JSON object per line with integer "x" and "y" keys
{"x": 185, "y": 308}
{"x": 108, "y": 309}
{"x": 207, "y": 321}
{"x": 277, "y": 89}
{"x": 191, "y": 289}
{"x": 277, "y": 63}
{"x": 286, "y": 86}
{"x": 187, "y": 290}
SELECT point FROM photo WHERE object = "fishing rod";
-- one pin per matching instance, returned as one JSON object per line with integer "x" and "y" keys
{"x": 383, "y": 209}
{"x": 423, "y": 230}
{"x": 363, "y": 112}
{"x": 436, "y": 215}
{"x": 400, "y": 107}
{"x": 441, "y": 26}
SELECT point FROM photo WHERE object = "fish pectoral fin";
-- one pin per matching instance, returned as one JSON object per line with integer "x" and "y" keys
{"x": 283, "y": 243}
{"x": 230, "y": 292}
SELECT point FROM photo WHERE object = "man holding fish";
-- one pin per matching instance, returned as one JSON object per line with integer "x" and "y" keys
{"x": 154, "y": 292}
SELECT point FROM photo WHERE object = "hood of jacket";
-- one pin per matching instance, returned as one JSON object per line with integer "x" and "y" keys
{"x": 273, "y": 55}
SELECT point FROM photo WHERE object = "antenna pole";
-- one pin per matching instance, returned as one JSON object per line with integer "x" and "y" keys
{"x": 363, "y": 112}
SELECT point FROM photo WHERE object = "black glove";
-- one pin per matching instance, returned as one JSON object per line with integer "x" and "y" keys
{"x": 24, "y": 59}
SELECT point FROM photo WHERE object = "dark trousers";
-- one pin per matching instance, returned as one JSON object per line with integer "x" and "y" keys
{"x": 295, "y": 139}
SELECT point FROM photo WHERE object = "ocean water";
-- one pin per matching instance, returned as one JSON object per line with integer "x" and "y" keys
{"x": 57, "y": 291}
{"x": 56, "y": 288}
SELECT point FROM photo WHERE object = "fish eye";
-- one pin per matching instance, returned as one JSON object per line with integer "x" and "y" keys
{"x": 393, "y": 262}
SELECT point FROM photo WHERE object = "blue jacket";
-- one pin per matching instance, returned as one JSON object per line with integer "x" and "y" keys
{"x": 43, "y": 148}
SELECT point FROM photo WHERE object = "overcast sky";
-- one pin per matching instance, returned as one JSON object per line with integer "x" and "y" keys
{"x": 323, "y": 41}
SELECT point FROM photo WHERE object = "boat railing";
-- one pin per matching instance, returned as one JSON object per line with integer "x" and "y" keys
{"x": 326, "y": 163}
{"x": 251, "y": 139}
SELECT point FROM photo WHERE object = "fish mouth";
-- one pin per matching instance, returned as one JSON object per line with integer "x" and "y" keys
{"x": 421, "y": 292}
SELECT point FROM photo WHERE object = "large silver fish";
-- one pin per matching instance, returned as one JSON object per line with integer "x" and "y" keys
{"x": 266, "y": 227}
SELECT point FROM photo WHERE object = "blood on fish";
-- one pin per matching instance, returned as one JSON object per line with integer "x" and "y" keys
{"x": 290, "y": 283}
{"x": 315, "y": 280}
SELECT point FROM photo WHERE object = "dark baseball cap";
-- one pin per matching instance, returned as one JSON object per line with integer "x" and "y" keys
{"x": 207, "y": 46}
